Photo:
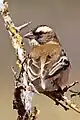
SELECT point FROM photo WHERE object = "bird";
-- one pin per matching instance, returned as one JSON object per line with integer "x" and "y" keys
{"x": 48, "y": 65}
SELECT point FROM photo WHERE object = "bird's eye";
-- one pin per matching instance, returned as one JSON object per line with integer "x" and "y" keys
{"x": 40, "y": 33}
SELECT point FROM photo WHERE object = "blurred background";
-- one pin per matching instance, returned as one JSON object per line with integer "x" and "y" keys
{"x": 64, "y": 17}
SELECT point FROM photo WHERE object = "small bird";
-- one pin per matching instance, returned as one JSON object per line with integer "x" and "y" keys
{"x": 48, "y": 65}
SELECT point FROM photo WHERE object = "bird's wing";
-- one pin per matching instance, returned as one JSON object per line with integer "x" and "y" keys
{"x": 54, "y": 67}
{"x": 56, "y": 73}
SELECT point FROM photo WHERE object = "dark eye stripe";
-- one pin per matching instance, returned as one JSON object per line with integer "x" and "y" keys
{"x": 38, "y": 33}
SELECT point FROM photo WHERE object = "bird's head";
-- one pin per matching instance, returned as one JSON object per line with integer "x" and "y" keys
{"x": 41, "y": 34}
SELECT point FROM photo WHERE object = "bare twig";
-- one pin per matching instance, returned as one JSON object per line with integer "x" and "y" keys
{"x": 70, "y": 86}
{"x": 57, "y": 97}
{"x": 14, "y": 72}
{"x": 74, "y": 93}
{"x": 23, "y": 26}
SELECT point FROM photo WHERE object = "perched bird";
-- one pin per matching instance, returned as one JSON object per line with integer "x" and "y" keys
{"x": 48, "y": 65}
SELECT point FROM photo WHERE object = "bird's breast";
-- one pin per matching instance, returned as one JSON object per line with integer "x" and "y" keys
{"x": 45, "y": 50}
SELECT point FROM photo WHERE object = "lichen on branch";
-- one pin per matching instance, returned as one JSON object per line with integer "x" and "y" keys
{"x": 22, "y": 94}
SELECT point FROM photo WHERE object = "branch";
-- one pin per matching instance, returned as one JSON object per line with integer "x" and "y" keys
{"x": 24, "y": 102}
{"x": 58, "y": 96}
{"x": 71, "y": 105}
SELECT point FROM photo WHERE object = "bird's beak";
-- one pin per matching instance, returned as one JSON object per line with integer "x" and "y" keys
{"x": 29, "y": 35}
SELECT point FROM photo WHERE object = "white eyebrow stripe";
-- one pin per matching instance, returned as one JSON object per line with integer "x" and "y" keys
{"x": 44, "y": 29}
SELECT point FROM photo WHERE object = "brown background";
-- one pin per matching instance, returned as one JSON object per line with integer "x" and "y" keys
{"x": 64, "y": 17}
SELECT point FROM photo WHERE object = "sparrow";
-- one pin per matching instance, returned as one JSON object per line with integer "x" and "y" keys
{"x": 48, "y": 65}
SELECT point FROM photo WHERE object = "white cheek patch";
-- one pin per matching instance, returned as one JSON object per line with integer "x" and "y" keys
{"x": 44, "y": 29}
{"x": 33, "y": 43}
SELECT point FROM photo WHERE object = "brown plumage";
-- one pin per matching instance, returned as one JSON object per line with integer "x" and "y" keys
{"x": 48, "y": 66}
{"x": 52, "y": 50}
